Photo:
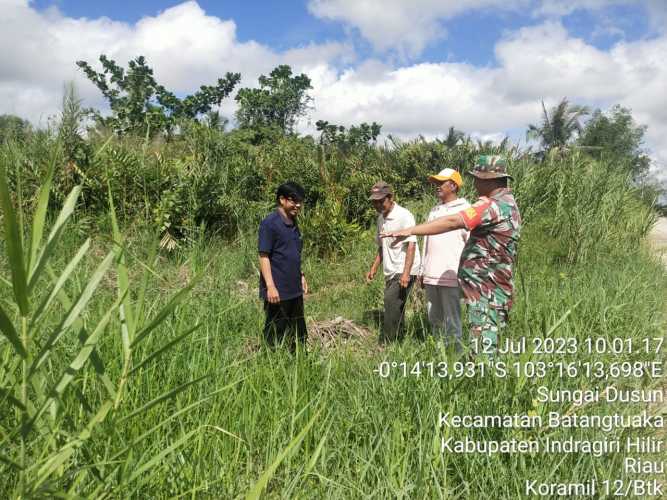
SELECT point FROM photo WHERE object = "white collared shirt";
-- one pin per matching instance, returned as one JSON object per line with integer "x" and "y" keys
{"x": 393, "y": 256}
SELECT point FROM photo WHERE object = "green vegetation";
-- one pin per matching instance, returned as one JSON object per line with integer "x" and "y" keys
{"x": 132, "y": 371}
{"x": 276, "y": 105}
{"x": 614, "y": 135}
{"x": 13, "y": 128}
{"x": 141, "y": 106}
{"x": 559, "y": 125}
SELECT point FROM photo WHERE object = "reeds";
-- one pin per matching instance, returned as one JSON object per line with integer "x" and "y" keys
{"x": 114, "y": 386}
{"x": 54, "y": 385}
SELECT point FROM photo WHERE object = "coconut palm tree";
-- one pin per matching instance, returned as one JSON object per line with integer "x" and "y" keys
{"x": 559, "y": 125}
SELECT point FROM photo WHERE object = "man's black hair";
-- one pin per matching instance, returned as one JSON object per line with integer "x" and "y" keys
{"x": 290, "y": 190}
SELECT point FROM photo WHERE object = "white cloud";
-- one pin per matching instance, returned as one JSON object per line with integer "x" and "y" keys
{"x": 656, "y": 9}
{"x": 537, "y": 63}
{"x": 396, "y": 24}
{"x": 420, "y": 99}
{"x": 565, "y": 7}
{"x": 544, "y": 62}
{"x": 185, "y": 47}
{"x": 408, "y": 27}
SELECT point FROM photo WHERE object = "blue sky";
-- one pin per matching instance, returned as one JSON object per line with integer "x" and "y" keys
{"x": 469, "y": 37}
{"x": 279, "y": 24}
{"x": 416, "y": 67}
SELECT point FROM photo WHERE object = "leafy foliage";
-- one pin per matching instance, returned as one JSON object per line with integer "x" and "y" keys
{"x": 76, "y": 149}
{"x": 614, "y": 135}
{"x": 454, "y": 137}
{"x": 566, "y": 193}
{"x": 52, "y": 375}
{"x": 13, "y": 128}
{"x": 559, "y": 125}
{"x": 278, "y": 102}
{"x": 207, "y": 179}
{"x": 363, "y": 134}
{"x": 141, "y": 106}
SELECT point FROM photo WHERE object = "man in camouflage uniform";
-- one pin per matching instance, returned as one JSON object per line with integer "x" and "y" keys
{"x": 485, "y": 271}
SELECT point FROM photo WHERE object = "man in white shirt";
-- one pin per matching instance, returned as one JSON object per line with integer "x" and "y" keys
{"x": 400, "y": 261}
{"x": 440, "y": 262}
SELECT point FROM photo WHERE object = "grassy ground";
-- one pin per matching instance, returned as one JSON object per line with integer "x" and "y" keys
{"x": 350, "y": 433}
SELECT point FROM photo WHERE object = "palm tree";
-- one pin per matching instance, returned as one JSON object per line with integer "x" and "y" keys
{"x": 558, "y": 126}
{"x": 215, "y": 120}
{"x": 453, "y": 137}
{"x": 484, "y": 146}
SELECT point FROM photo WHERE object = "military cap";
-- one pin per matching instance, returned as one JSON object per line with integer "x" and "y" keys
{"x": 490, "y": 167}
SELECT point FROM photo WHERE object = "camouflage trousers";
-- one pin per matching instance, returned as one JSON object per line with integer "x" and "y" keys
{"x": 486, "y": 320}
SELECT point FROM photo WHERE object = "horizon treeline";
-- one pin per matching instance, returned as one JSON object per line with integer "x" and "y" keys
{"x": 133, "y": 372}
{"x": 174, "y": 164}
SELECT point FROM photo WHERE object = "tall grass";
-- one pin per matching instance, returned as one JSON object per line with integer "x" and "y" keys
{"x": 174, "y": 399}
{"x": 54, "y": 385}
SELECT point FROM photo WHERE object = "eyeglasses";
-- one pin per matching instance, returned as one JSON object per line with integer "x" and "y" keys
{"x": 294, "y": 201}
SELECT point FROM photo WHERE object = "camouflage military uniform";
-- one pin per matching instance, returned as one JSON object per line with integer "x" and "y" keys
{"x": 485, "y": 271}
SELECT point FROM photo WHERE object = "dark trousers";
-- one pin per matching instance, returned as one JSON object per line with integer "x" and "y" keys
{"x": 395, "y": 299}
{"x": 285, "y": 323}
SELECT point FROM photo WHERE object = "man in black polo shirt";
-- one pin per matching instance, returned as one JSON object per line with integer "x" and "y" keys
{"x": 282, "y": 284}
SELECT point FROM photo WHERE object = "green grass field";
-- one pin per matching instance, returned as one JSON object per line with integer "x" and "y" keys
{"x": 320, "y": 424}
{"x": 132, "y": 372}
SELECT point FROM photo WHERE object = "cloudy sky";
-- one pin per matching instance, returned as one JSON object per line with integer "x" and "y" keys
{"x": 415, "y": 66}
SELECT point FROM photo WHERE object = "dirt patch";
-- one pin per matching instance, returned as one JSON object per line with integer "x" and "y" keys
{"x": 329, "y": 335}
{"x": 658, "y": 238}
{"x": 244, "y": 289}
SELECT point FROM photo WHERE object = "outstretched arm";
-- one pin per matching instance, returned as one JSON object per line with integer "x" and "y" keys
{"x": 436, "y": 226}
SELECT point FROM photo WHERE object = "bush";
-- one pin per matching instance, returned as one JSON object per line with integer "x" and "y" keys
{"x": 588, "y": 207}
{"x": 326, "y": 230}
{"x": 224, "y": 183}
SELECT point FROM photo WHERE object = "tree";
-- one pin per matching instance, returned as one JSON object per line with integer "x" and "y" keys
{"x": 139, "y": 105}
{"x": 70, "y": 127}
{"x": 559, "y": 125}
{"x": 362, "y": 134}
{"x": 453, "y": 137}
{"x": 13, "y": 128}
{"x": 214, "y": 120}
{"x": 615, "y": 135}
{"x": 489, "y": 147}
{"x": 280, "y": 99}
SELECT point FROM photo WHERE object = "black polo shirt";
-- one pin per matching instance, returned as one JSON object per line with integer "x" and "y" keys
{"x": 282, "y": 242}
